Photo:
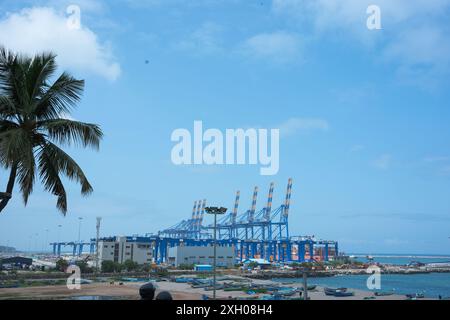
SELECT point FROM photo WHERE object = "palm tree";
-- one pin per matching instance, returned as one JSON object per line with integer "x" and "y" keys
{"x": 33, "y": 125}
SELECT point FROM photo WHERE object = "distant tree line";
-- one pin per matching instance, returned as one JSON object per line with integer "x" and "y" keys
{"x": 106, "y": 267}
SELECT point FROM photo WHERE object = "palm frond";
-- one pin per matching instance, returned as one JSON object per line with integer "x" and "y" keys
{"x": 14, "y": 144}
{"x": 26, "y": 173}
{"x": 49, "y": 175}
{"x": 13, "y": 80}
{"x": 7, "y": 108}
{"x": 59, "y": 99}
{"x": 41, "y": 68}
{"x": 66, "y": 132}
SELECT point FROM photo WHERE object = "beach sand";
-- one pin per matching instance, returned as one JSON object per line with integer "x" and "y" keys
{"x": 179, "y": 291}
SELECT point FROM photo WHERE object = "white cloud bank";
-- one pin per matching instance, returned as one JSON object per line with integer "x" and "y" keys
{"x": 204, "y": 40}
{"x": 278, "y": 46}
{"x": 415, "y": 33}
{"x": 295, "y": 125}
{"x": 41, "y": 29}
{"x": 383, "y": 162}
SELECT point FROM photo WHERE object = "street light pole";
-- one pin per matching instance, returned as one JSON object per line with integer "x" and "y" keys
{"x": 59, "y": 232}
{"x": 99, "y": 220}
{"x": 215, "y": 256}
{"x": 79, "y": 229}
{"x": 79, "y": 238}
{"x": 215, "y": 211}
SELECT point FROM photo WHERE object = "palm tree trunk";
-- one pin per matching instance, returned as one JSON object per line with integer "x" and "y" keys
{"x": 6, "y": 196}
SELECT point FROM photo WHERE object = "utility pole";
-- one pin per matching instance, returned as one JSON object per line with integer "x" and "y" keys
{"x": 59, "y": 232}
{"x": 79, "y": 229}
{"x": 215, "y": 211}
{"x": 99, "y": 220}
{"x": 305, "y": 285}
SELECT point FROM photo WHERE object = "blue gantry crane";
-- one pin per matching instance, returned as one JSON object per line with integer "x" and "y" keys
{"x": 263, "y": 233}
{"x": 253, "y": 234}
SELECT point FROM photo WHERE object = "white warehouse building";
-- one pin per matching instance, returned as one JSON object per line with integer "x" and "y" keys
{"x": 190, "y": 255}
{"x": 121, "y": 249}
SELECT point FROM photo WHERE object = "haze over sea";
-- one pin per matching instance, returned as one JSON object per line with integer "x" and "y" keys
{"x": 403, "y": 259}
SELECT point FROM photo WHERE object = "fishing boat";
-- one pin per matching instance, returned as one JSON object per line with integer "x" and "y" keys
{"x": 129, "y": 279}
{"x": 339, "y": 292}
{"x": 211, "y": 288}
{"x": 383, "y": 293}
{"x": 236, "y": 288}
{"x": 286, "y": 292}
{"x": 418, "y": 295}
{"x": 344, "y": 294}
{"x": 200, "y": 285}
{"x": 184, "y": 280}
{"x": 332, "y": 291}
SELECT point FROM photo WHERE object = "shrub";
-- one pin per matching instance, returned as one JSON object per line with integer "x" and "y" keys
{"x": 62, "y": 265}
{"x": 111, "y": 266}
{"x": 130, "y": 265}
{"x": 185, "y": 266}
{"x": 84, "y": 267}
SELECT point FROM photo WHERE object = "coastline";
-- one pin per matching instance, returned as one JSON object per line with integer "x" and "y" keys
{"x": 179, "y": 291}
{"x": 130, "y": 291}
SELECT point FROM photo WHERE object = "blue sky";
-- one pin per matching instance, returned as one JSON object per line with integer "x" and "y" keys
{"x": 363, "y": 114}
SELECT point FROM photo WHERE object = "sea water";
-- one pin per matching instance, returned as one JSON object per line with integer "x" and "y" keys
{"x": 431, "y": 284}
{"x": 403, "y": 259}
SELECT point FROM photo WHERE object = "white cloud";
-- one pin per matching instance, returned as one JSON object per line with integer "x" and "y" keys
{"x": 296, "y": 125}
{"x": 278, "y": 46}
{"x": 331, "y": 14}
{"x": 383, "y": 162}
{"x": 422, "y": 54}
{"x": 204, "y": 40}
{"x": 41, "y": 29}
{"x": 433, "y": 159}
{"x": 357, "y": 147}
{"x": 415, "y": 33}
{"x": 190, "y": 3}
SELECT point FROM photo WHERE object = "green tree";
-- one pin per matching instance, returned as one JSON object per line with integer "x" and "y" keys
{"x": 130, "y": 265}
{"x": 146, "y": 268}
{"x": 111, "y": 266}
{"x": 84, "y": 267}
{"x": 107, "y": 266}
{"x": 62, "y": 265}
{"x": 118, "y": 267}
{"x": 186, "y": 266}
{"x": 33, "y": 123}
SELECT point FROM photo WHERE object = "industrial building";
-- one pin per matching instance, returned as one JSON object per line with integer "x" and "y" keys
{"x": 252, "y": 234}
{"x": 121, "y": 249}
{"x": 195, "y": 255}
{"x": 15, "y": 263}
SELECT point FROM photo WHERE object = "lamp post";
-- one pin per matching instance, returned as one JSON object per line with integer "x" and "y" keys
{"x": 59, "y": 232}
{"x": 215, "y": 211}
{"x": 99, "y": 220}
{"x": 79, "y": 237}
{"x": 79, "y": 229}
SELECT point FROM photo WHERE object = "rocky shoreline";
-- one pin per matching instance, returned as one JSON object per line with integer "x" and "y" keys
{"x": 331, "y": 273}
